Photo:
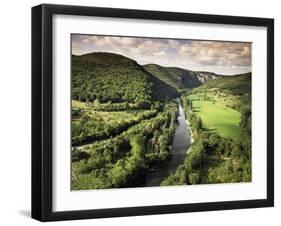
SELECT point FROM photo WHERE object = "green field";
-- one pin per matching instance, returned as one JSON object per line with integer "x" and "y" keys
{"x": 217, "y": 117}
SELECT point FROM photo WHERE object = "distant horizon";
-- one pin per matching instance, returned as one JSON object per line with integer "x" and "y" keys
{"x": 219, "y": 57}
{"x": 168, "y": 66}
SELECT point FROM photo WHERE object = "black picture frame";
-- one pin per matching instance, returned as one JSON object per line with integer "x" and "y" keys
{"x": 42, "y": 111}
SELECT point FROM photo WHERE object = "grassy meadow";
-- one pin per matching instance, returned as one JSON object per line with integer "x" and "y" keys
{"x": 217, "y": 117}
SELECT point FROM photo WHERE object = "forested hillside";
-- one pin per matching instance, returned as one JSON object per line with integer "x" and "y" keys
{"x": 238, "y": 87}
{"x": 109, "y": 77}
{"x": 123, "y": 121}
{"x": 180, "y": 78}
{"x": 175, "y": 77}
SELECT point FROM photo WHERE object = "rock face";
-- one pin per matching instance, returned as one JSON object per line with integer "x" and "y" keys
{"x": 206, "y": 76}
{"x": 180, "y": 78}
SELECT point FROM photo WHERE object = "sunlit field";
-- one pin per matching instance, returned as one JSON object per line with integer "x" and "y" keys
{"x": 216, "y": 117}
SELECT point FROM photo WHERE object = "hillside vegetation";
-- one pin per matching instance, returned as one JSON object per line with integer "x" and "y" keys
{"x": 235, "y": 91}
{"x": 108, "y": 77}
{"x": 219, "y": 113}
{"x": 175, "y": 77}
{"x": 123, "y": 121}
{"x": 124, "y": 118}
{"x": 180, "y": 78}
{"x": 123, "y": 160}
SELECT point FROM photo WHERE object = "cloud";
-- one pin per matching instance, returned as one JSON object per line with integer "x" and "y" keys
{"x": 217, "y": 53}
{"x": 191, "y": 54}
{"x": 174, "y": 44}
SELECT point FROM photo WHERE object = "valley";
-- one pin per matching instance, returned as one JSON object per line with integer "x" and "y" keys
{"x": 131, "y": 125}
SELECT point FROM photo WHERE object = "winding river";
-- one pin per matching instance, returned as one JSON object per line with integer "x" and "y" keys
{"x": 181, "y": 144}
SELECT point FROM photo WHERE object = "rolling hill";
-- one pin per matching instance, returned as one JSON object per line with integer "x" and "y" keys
{"x": 180, "y": 78}
{"x": 110, "y": 77}
{"x": 236, "y": 84}
{"x": 114, "y": 78}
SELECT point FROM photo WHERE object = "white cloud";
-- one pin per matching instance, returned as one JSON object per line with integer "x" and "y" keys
{"x": 217, "y": 53}
{"x": 174, "y": 44}
{"x": 202, "y": 55}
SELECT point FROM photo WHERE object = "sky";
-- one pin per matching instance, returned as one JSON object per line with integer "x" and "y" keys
{"x": 221, "y": 57}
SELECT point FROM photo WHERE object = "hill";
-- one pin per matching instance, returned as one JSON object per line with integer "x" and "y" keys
{"x": 237, "y": 88}
{"x": 236, "y": 84}
{"x": 180, "y": 78}
{"x": 114, "y": 78}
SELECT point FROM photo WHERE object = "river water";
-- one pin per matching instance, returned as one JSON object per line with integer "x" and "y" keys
{"x": 181, "y": 144}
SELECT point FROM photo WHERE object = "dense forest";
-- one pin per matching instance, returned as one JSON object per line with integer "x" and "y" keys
{"x": 122, "y": 161}
{"x": 124, "y": 118}
{"x": 112, "y": 78}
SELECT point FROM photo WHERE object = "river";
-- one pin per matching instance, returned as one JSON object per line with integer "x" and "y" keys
{"x": 181, "y": 144}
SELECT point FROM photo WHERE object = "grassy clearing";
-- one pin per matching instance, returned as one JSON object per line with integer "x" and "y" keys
{"x": 89, "y": 124}
{"x": 217, "y": 117}
{"x": 79, "y": 104}
{"x": 108, "y": 117}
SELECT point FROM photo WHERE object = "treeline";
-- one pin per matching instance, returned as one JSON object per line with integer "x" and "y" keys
{"x": 93, "y": 128}
{"x": 239, "y": 86}
{"x": 122, "y": 161}
{"x": 213, "y": 159}
{"x": 124, "y": 106}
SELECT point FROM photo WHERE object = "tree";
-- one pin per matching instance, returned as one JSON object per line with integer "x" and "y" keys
{"x": 162, "y": 140}
{"x": 97, "y": 102}
{"x": 198, "y": 125}
{"x": 138, "y": 148}
{"x": 190, "y": 105}
{"x": 99, "y": 98}
{"x": 118, "y": 174}
{"x": 143, "y": 104}
{"x": 194, "y": 178}
{"x": 195, "y": 157}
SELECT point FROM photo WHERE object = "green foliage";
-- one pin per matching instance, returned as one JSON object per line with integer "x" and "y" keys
{"x": 195, "y": 158}
{"x": 180, "y": 177}
{"x": 194, "y": 178}
{"x": 79, "y": 155}
{"x": 111, "y": 77}
{"x": 175, "y": 77}
{"x": 123, "y": 160}
{"x": 143, "y": 104}
{"x": 138, "y": 147}
{"x": 125, "y": 111}
{"x": 236, "y": 85}
{"x": 92, "y": 125}
{"x": 239, "y": 86}
{"x": 215, "y": 158}
{"x": 75, "y": 113}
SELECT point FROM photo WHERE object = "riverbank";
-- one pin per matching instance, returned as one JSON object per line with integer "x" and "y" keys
{"x": 181, "y": 142}
{"x": 190, "y": 135}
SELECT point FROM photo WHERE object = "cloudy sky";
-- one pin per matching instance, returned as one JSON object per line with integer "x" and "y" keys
{"x": 220, "y": 57}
